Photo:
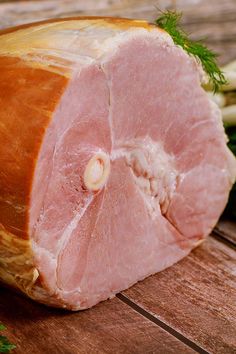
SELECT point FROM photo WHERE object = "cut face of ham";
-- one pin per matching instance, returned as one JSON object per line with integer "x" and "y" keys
{"x": 114, "y": 163}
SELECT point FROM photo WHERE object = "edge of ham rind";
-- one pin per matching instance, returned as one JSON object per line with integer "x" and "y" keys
{"x": 84, "y": 87}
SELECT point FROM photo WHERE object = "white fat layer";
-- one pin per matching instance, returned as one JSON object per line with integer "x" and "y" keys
{"x": 153, "y": 171}
{"x": 73, "y": 40}
{"x": 72, "y": 45}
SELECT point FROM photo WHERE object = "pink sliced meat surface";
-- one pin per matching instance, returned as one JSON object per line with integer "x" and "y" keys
{"x": 132, "y": 170}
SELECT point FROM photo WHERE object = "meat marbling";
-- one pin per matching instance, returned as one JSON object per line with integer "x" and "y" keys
{"x": 114, "y": 162}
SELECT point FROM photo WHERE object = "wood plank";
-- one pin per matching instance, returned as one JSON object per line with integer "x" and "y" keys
{"x": 110, "y": 327}
{"x": 227, "y": 229}
{"x": 197, "y": 296}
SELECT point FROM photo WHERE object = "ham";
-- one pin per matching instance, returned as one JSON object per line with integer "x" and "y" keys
{"x": 114, "y": 163}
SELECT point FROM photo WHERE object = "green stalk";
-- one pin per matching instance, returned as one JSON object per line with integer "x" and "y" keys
{"x": 170, "y": 22}
{"x": 5, "y": 345}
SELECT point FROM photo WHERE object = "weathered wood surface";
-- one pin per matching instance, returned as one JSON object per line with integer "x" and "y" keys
{"x": 110, "y": 327}
{"x": 195, "y": 300}
{"x": 227, "y": 229}
{"x": 197, "y": 296}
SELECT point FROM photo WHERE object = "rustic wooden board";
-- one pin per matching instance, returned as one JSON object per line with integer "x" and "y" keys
{"x": 197, "y": 296}
{"x": 110, "y": 327}
{"x": 227, "y": 229}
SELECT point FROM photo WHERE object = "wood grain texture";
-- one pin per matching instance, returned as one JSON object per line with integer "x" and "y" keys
{"x": 227, "y": 229}
{"x": 110, "y": 327}
{"x": 197, "y": 296}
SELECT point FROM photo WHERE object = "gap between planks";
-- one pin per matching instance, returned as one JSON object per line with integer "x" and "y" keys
{"x": 221, "y": 237}
{"x": 141, "y": 311}
{"x": 226, "y": 229}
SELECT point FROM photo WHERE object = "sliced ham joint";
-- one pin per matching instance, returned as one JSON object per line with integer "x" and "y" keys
{"x": 114, "y": 162}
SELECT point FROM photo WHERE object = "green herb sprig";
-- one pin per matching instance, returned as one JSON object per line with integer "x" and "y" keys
{"x": 5, "y": 345}
{"x": 170, "y": 22}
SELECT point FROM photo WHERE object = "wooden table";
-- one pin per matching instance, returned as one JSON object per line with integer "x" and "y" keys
{"x": 190, "y": 307}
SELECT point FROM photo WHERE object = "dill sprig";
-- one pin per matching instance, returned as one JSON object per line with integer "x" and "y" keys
{"x": 5, "y": 345}
{"x": 170, "y": 22}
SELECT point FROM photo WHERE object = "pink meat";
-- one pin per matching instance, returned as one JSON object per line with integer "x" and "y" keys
{"x": 138, "y": 101}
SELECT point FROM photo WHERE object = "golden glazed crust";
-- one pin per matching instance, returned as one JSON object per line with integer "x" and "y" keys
{"x": 16, "y": 261}
{"x": 60, "y": 44}
{"x": 115, "y": 22}
{"x": 27, "y": 101}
